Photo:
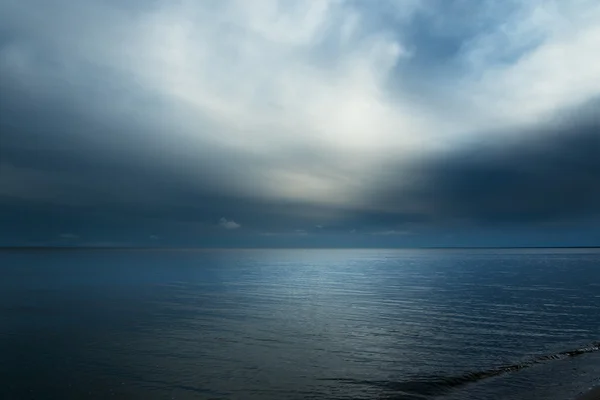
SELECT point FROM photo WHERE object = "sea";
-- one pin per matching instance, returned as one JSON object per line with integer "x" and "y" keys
{"x": 460, "y": 324}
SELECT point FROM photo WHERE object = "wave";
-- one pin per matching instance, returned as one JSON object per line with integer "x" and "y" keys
{"x": 438, "y": 385}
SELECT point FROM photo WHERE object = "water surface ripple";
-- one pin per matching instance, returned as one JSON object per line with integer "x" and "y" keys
{"x": 299, "y": 324}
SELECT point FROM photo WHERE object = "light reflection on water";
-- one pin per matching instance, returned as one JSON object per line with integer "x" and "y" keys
{"x": 272, "y": 324}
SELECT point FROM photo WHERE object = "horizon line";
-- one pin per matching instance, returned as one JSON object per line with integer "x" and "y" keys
{"x": 52, "y": 247}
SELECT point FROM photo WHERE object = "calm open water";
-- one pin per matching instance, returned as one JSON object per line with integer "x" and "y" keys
{"x": 299, "y": 324}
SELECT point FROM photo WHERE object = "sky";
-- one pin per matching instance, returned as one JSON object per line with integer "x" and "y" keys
{"x": 288, "y": 123}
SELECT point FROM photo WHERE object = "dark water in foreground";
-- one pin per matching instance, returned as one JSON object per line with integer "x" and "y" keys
{"x": 299, "y": 324}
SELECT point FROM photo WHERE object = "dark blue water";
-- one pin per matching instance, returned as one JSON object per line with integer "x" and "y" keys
{"x": 299, "y": 324}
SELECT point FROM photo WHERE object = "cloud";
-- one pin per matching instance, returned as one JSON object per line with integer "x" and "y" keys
{"x": 537, "y": 63}
{"x": 332, "y": 89}
{"x": 540, "y": 177}
{"x": 228, "y": 224}
{"x": 337, "y": 113}
{"x": 231, "y": 79}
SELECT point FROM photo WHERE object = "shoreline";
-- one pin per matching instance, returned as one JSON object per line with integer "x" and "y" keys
{"x": 592, "y": 394}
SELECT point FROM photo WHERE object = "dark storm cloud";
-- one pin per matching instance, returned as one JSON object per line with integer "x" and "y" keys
{"x": 54, "y": 180}
{"x": 65, "y": 167}
{"x": 548, "y": 175}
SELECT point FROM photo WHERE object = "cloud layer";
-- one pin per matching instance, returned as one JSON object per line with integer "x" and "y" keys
{"x": 546, "y": 176}
{"x": 285, "y": 115}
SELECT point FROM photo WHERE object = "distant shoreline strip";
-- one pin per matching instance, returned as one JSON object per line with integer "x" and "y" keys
{"x": 437, "y": 385}
{"x": 592, "y": 394}
{"x": 166, "y": 248}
